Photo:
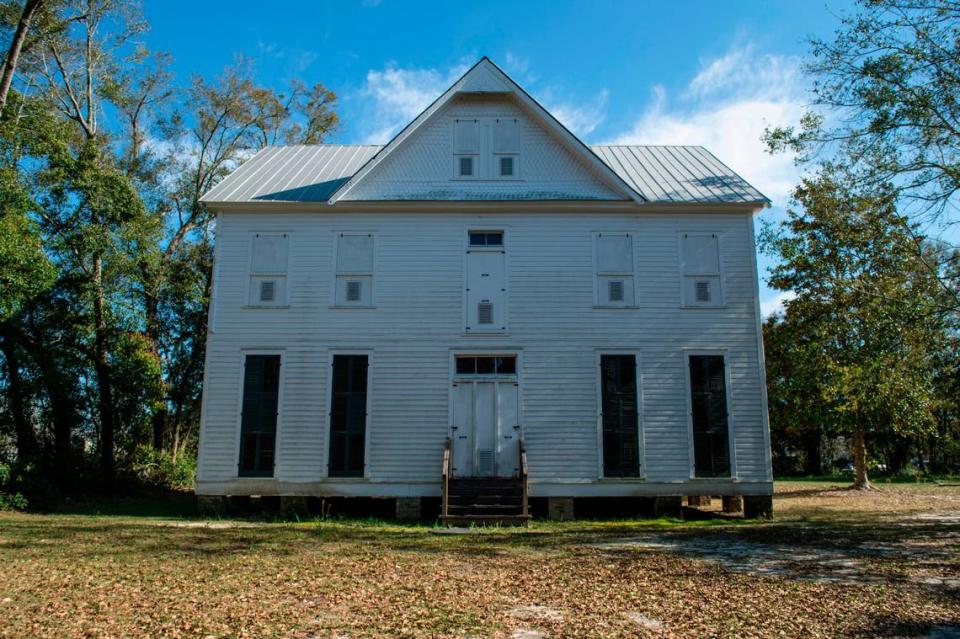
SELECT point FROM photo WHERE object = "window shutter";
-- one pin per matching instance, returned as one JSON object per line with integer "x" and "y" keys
{"x": 506, "y": 135}
{"x": 355, "y": 253}
{"x": 269, "y": 253}
{"x": 700, "y": 254}
{"x": 466, "y": 136}
{"x": 614, "y": 253}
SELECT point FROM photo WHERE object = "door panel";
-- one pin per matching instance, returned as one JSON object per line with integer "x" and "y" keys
{"x": 463, "y": 443}
{"x": 486, "y": 424}
{"x": 485, "y": 428}
{"x": 348, "y": 415}
{"x": 508, "y": 458}
{"x": 619, "y": 416}
{"x": 485, "y": 294}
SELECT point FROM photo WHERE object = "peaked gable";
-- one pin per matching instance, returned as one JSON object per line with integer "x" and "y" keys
{"x": 419, "y": 162}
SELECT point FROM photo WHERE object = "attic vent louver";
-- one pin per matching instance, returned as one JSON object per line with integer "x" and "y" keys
{"x": 485, "y": 313}
{"x": 353, "y": 291}
{"x": 615, "y": 290}
{"x": 268, "y": 291}
{"x": 703, "y": 291}
{"x": 485, "y": 460}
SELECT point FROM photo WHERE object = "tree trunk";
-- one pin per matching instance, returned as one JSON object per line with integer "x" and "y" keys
{"x": 160, "y": 417}
{"x": 102, "y": 369}
{"x": 813, "y": 464}
{"x": 63, "y": 412}
{"x": 26, "y": 439}
{"x": 13, "y": 53}
{"x": 861, "y": 482}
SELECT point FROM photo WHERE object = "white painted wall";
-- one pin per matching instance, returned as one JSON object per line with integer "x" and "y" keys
{"x": 417, "y": 320}
{"x": 423, "y": 168}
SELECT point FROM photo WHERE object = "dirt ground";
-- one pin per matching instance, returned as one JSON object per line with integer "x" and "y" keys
{"x": 834, "y": 563}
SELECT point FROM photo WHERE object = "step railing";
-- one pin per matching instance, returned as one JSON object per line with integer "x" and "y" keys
{"x": 524, "y": 473}
{"x": 445, "y": 474}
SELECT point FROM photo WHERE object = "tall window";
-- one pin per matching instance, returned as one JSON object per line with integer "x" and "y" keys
{"x": 258, "y": 417}
{"x": 614, "y": 269}
{"x": 619, "y": 416}
{"x": 348, "y": 415}
{"x": 701, "y": 269}
{"x": 268, "y": 269}
{"x": 708, "y": 402}
{"x": 354, "y": 285}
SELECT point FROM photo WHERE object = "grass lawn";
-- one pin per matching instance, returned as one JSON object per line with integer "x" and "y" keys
{"x": 833, "y": 564}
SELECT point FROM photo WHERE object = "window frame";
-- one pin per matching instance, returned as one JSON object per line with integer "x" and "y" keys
{"x": 687, "y": 353}
{"x": 629, "y": 288}
{"x": 641, "y": 417}
{"x": 685, "y": 277}
{"x": 337, "y": 276}
{"x": 486, "y": 158}
{"x": 254, "y": 278}
{"x": 238, "y": 420}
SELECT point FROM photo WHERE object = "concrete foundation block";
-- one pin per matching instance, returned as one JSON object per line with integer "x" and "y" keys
{"x": 212, "y": 505}
{"x": 732, "y": 504}
{"x": 668, "y": 506}
{"x": 408, "y": 509}
{"x": 560, "y": 508}
{"x": 698, "y": 501}
{"x": 293, "y": 507}
{"x": 758, "y": 506}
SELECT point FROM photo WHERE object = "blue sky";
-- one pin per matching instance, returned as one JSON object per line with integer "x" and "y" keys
{"x": 681, "y": 72}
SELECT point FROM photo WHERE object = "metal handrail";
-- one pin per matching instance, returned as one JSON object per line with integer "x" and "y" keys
{"x": 445, "y": 474}
{"x": 524, "y": 473}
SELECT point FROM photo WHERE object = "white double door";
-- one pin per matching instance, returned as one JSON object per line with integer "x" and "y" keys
{"x": 486, "y": 428}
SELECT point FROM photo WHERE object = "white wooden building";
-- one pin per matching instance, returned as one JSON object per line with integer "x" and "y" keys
{"x": 482, "y": 280}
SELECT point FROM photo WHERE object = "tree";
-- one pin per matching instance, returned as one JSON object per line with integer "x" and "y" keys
{"x": 867, "y": 309}
{"x": 886, "y": 98}
{"x": 30, "y": 8}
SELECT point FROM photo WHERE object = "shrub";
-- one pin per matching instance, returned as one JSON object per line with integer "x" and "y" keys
{"x": 158, "y": 468}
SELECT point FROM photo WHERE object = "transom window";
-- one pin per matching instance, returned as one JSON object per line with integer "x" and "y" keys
{"x": 486, "y": 238}
{"x": 487, "y": 365}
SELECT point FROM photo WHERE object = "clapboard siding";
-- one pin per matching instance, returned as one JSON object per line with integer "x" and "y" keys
{"x": 419, "y": 318}
{"x": 422, "y": 168}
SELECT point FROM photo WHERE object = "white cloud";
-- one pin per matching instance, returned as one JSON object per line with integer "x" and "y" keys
{"x": 725, "y": 107}
{"x": 581, "y": 118}
{"x": 776, "y": 303}
{"x": 399, "y": 95}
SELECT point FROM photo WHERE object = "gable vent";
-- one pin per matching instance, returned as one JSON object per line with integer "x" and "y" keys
{"x": 485, "y": 313}
{"x": 268, "y": 291}
{"x": 615, "y": 290}
{"x": 353, "y": 291}
{"x": 703, "y": 291}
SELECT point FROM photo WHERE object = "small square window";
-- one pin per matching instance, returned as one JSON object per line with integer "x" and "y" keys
{"x": 506, "y": 167}
{"x": 466, "y": 166}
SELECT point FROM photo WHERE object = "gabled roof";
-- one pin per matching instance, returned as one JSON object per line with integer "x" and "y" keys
{"x": 487, "y": 77}
{"x": 312, "y": 173}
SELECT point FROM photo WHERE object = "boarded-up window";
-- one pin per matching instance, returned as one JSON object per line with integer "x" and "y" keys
{"x": 486, "y": 282}
{"x": 700, "y": 262}
{"x": 708, "y": 405}
{"x": 268, "y": 269}
{"x": 506, "y": 135}
{"x": 614, "y": 269}
{"x": 258, "y": 417}
{"x": 354, "y": 285}
{"x": 348, "y": 415}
